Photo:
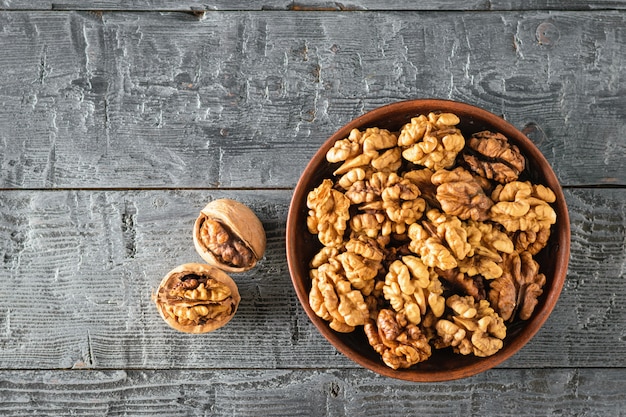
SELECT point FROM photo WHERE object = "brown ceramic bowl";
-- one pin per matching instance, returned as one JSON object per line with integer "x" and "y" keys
{"x": 443, "y": 364}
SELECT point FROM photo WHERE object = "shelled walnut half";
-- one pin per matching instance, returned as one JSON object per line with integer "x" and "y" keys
{"x": 227, "y": 234}
{"x": 197, "y": 298}
{"x": 492, "y": 156}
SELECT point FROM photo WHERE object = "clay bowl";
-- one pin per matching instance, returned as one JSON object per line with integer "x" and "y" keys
{"x": 443, "y": 364}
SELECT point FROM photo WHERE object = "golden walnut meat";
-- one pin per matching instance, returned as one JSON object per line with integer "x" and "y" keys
{"x": 360, "y": 261}
{"x": 197, "y": 298}
{"x": 227, "y": 234}
{"x": 472, "y": 328}
{"x": 345, "y": 148}
{"x": 522, "y": 206}
{"x": 399, "y": 198}
{"x": 488, "y": 244}
{"x": 492, "y": 156}
{"x": 404, "y": 289}
{"x": 359, "y": 271}
{"x": 461, "y": 195}
{"x": 400, "y": 343}
{"x": 432, "y": 141}
{"x": 422, "y": 178}
{"x": 362, "y": 185}
{"x": 429, "y": 247}
{"x": 333, "y": 298}
{"x": 328, "y": 213}
{"x": 533, "y": 242}
{"x": 372, "y": 223}
{"x": 372, "y": 147}
{"x": 472, "y": 246}
{"x": 517, "y": 291}
{"x": 411, "y": 289}
{"x": 401, "y": 201}
{"x": 534, "y": 225}
{"x": 462, "y": 283}
{"x": 451, "y": 231}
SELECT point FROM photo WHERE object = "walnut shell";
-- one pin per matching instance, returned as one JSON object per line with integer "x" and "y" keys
{"x": 197, "y": 298}
{"x": 227, "y": 234}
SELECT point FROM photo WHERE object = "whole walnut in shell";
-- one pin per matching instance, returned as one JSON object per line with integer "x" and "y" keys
{"x": 197, "y": 298}
{"x": 227, "y": 234}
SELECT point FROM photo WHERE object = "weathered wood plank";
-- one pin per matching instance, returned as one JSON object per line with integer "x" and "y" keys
{"x": 146, "y": 5}
{"x": 78, "y": 269}
{"x": 167, "y": 100}
{"x": 448, "y": 5}
{"x": 540, "y": 392}
{"x": 165, "y": 5}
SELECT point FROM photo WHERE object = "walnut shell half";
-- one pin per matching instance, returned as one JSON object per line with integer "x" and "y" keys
{"x": 197, "y": 298}
{"x": 227, "y": 234}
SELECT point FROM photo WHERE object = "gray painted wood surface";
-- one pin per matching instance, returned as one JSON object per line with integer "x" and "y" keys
{"x": 314, "y": 5}
{"x": 354, "y": 392}
{"x": 148, "y": 97}
{"x": 117, "y": 127}
{"x": 96, "y": 256}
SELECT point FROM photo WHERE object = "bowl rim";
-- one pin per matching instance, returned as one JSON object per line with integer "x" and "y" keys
{"x": 542, "y": 311}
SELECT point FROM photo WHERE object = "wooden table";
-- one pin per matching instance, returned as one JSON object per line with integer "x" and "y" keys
{"x": 120, "y": 120}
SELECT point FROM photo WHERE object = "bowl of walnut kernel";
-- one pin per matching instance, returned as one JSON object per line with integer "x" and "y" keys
{"x": 428, "y": 240}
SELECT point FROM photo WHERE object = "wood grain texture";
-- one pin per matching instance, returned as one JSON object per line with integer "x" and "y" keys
{"x": 540, "y": 392}
{"x": 135, "y": 100}
{"x": 165, "y": 5}
{"x": 120, "y": 120}
{"x": 79, "y": 268}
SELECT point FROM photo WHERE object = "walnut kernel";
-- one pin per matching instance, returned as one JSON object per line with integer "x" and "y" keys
{"x": 227, "y": 234}
{"x": 197, "y": 298}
